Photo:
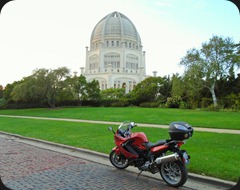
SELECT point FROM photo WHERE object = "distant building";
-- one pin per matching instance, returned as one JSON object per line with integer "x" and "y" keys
{"x": 115, "y": 57}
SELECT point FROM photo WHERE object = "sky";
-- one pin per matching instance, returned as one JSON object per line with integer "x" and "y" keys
{"x": 49, "y": 34}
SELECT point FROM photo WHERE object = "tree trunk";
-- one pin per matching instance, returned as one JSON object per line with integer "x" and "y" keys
{"x": 213, "y": 94}
{"x": 52, "y": 101}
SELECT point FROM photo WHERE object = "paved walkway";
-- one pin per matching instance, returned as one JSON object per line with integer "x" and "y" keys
{"x": 229, "y": 131}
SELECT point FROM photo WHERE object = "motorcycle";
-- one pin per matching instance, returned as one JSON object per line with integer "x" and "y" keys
{"x": 163, "y": 156}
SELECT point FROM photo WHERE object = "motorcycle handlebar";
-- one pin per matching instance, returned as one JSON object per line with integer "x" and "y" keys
{"x": 133, "y": 124}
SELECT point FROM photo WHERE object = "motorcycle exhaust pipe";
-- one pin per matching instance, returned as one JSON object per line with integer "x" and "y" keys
{"x": 168, "y": 158}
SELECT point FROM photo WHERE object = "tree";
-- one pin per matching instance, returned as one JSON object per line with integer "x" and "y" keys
{"x": 165, "y": 87}
{"x": 93, "y": 91}
{"x": 56, "y": 82}
{"x": 1, "y": 91}
{"x": 42, "y": 86}
{"x": 2, "y": 101}
{"x": 79, "y": 88}
{"x": 25, "y": 91}
{"x": 8, "y": 91}
{"x": 215, "y": 60}
{"x": 150, "y": 89}
{"x": 113, "y": 93}
{"x": 177, "y": 86}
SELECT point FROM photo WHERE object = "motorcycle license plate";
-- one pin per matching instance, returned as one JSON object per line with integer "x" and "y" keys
{"x": 186, "y": 158}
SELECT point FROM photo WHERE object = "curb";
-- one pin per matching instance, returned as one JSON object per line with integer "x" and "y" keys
{"x": 196, "y": 177}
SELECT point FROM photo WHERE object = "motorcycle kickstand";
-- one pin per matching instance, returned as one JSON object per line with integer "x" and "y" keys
{"x": 139, "y": 174}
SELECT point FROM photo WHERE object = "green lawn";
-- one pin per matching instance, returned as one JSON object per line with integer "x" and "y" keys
{"x": 211, "y": 154}
{"x": 197, "y": 118}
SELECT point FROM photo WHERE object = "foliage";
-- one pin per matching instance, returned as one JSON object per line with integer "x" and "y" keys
{"x": 120, "y": 103}
{"x": 2, "y": 102}
{"x": 114, "y": 97}
{"x": 146, "y": 90}
{"x": 113, "y": 93}
{"x": 178, "y": 88}
{"x": 78, "y": 87}
{"x": 115, "y": 103}
{"x": 1, "y": 91}
{"x": 84, "y": 91}
{"x": 52, "y": 87}
{"x": 215, "y": 60}
{"x": 8, "y": 90}
{"x": 232, "y": 101}
{"x": 151, "y": 89}
{"x": 42, "y": 86}
{"x": 206, "y": 102}
{"x": 149, "y": 104}
{"x": 93, "y": 92}
{"x": 214, "y": 108}
{"x": 174, "y": 102}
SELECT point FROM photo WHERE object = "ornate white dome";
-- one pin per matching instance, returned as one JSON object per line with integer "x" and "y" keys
{"x": 115, "y": 26}
{"x": 115, "y": 57}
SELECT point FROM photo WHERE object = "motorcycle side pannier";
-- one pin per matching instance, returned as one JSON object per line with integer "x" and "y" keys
{"x": 180, "y": 131}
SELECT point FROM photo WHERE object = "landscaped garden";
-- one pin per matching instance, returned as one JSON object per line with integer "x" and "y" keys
{"x": 212, "y": 154}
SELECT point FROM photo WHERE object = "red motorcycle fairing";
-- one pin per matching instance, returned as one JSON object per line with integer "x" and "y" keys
{"x": 116, "y": 149}
{"x": 120, "y": 150}
{"x": 136, "y": 139}
{"x": 159, "y": 148}
{"x": 139, "y": 139}
{"x": 119, "y": 139}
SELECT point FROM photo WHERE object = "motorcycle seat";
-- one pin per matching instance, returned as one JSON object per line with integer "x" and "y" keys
{"x": 150, "y": 145}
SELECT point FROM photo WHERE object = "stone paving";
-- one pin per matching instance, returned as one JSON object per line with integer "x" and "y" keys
{"x": 25, "y": 167}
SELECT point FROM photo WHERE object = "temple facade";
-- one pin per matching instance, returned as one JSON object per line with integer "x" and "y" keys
{"x": 115, "y": 57}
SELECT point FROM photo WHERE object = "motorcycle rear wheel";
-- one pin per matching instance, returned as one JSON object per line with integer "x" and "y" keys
{"x": 174, "y": 173}
{"x": 119, "y": 161}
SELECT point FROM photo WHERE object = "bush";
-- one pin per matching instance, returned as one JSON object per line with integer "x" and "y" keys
{"x": 115, "y": 103}
{"x": 23, "y": 105}
{"x": 231, "y": 101}
{"x": 214, "y": 108}
{"x": 2, "y": 102}
{"x": 174, "y": 102}
{"x": 121, "y": 103}
{"x": 149, "y": 104}
{"x": 184, "y": 105}
{"x": 206, "y": 102}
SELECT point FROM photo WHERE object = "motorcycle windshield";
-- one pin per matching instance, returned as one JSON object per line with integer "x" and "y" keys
{"x": 125, "y": 125}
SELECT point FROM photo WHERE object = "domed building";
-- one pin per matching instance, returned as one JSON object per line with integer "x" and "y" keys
{"x": 115, "y": 57}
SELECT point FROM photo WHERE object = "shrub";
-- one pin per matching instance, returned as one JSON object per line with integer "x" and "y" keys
{"x": 121, "y": 103}
{"x": 115, "y": 103}
{"x": 232, "y": 101}
{"x": 214, "y": 108}
{"x": 174, "y": 102}
{"x": 206, "y": 102}
{"x": 2, "y": 102}
{"x": 149, "y": 104}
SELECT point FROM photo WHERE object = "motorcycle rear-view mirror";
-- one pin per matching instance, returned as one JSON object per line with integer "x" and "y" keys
{"x": 133, "y": 124}
{"x": 111, "y": 129}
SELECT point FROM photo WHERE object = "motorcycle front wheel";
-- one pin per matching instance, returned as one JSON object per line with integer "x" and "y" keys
{"x": 174, "y": 173}
{"x": 119, "y": 161}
